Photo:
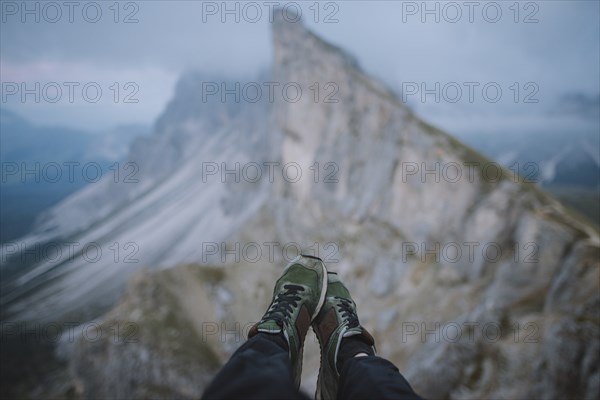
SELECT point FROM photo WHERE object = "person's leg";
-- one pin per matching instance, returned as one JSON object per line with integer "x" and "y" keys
{"x": 349, "y": 367}
{"x": 364, "y": 375}
{"x": 260, "y": 368}
{"x": 269, "y": 364}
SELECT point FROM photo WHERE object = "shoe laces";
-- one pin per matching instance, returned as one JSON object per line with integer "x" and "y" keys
{"x": 283, "y": 304}
{"x": 346, "y": 309}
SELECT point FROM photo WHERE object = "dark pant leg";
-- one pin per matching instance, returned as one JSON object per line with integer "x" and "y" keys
{"x": 259, "y": 369}
{"x": 373, "y": 377}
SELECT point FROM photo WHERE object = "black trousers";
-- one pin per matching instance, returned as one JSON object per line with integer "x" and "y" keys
{"x": 261, "y": 369}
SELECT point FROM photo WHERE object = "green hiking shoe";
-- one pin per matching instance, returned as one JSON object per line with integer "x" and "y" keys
{"x": 336, "y": 320}
{"x": 297, "y": 298}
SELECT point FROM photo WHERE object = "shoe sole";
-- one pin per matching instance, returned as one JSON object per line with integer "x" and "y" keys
{"x": 318, "y": 395}
{"x": 317, "y": 309}
{"x": 323, "y": 293}
{"x": 318, "y": 392}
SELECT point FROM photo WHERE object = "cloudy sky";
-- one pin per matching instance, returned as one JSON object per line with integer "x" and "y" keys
{"x": 544, "y": 56}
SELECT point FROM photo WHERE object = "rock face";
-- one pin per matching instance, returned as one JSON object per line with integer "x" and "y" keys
{"x": 148, "y": 346}
{"x": 476, "y": 286}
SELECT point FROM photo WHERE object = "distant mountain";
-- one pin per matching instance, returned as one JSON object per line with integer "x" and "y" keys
{"x": 55, "y": 157}
{"x": 548, "y": 158}
{"x": 566, "y": 164}
{"x": 25, "y": 142}
{"x": 508, "y": 265}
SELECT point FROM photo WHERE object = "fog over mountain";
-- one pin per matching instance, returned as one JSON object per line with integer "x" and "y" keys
{"x": 558, "y": 49}
{"x": 41, "y": 165}
{"x": 480, "y": 253}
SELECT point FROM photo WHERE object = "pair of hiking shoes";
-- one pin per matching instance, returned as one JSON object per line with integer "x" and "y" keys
{"x": 306, "y": 294}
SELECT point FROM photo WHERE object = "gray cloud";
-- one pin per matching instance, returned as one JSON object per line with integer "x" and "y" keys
{"x": 559, "y": 53}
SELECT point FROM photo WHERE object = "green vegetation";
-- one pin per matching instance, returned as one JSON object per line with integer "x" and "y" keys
{"x": 207, "y": 274}
{"x": 164, "y": 327}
